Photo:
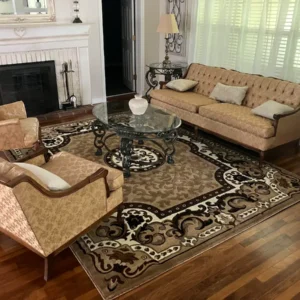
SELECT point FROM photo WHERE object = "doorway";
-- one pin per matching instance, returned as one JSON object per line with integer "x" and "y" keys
{"x": 119, "y": 46}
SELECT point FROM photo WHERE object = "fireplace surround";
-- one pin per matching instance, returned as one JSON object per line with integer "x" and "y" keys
{"x": 33, "y": 83}
{"x": 33, "y": 43}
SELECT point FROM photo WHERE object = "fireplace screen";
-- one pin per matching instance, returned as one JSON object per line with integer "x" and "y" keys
{"x": 33, "y": 83}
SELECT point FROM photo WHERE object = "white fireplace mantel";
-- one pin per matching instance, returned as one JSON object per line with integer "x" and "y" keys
{"x": 23, "y": 43}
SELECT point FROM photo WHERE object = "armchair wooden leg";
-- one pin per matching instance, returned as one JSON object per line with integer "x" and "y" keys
{"x": 261, "y": 157}
{"x": 119, "y": 215}
{"x": 47, "y": 267}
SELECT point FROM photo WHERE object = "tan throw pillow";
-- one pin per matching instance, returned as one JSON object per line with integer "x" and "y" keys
{"x": 181, "y": 85}
{"x": 271, "y": 108}
{"x": 229, "y": 94}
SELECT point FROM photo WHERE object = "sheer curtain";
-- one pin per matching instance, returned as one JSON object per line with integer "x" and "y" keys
{"x": 253, "y": 36}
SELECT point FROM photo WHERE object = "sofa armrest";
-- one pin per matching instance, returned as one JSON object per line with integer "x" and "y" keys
{"x": 163, "y": 85}
{"x": 99, "y": 174}
{"x": 287, "y": 126}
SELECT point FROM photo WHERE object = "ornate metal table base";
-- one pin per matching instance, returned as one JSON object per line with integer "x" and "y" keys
{"x": 127, "y": 139}
{"x": 173, "y": 71}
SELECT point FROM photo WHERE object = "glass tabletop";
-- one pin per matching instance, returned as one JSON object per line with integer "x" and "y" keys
{"x": 171, "y": 66}
{"x": 154, "y": 120}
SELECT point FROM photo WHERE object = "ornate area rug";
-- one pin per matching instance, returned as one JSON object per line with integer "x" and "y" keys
{"x": 172, "y": 212}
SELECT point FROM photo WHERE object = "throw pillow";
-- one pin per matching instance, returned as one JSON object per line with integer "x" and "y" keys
{"x": 271, "y": 108}
{"x": 52, "y": 181}
{"x": 229, "y": 94}
{"x": 181, "y": 85}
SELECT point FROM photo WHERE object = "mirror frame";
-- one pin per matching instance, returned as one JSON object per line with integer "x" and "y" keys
{"x": 17, "y": 19}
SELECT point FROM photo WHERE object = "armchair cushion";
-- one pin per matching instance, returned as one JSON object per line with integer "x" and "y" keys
{"x": 30, "y": 127}
{"x": 74, "y": 169}
{"x": 14, "y": 110}
{"x": 52, "y": 181}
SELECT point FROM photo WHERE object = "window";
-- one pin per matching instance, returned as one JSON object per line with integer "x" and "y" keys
{"x": 254, "y": 36}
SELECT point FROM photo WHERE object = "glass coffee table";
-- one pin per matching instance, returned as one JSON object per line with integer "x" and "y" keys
{"x": 156, "y": 125}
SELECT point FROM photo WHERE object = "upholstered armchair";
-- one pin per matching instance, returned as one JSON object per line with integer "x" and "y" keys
{"x": 46, "y": 221}
{"x": 16, "y": 130}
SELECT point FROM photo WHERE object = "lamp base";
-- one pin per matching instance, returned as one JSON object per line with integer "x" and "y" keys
{"x": 167, "y": 63}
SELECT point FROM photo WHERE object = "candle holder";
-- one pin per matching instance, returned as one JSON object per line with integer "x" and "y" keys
{"x": 76, "y": 11}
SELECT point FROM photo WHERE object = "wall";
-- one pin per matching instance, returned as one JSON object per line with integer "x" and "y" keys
{"x": 89, "y": 13}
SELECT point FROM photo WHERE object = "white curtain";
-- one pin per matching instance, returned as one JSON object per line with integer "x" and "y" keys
{"x": 253, "y": 36}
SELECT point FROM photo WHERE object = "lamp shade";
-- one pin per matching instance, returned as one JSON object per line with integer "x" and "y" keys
{"x": 168, "y": 24}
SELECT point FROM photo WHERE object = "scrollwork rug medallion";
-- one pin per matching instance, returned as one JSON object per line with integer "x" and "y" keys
{"x": 173, "y": 212}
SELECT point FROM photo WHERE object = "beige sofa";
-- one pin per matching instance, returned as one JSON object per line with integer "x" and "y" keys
{"x": 232, "y": 122}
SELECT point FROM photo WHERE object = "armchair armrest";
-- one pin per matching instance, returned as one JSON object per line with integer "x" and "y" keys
{"x": 14, "y": 110}
{"x": 11, "y": 134}
{"x": 101, "y": 173}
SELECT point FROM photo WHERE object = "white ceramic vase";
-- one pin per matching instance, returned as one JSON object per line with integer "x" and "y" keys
{"x": 138, "y": 105}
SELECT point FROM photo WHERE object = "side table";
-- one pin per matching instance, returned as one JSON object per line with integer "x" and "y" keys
{"x": 174, "y": 70}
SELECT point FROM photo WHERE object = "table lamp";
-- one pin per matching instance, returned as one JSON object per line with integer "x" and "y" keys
{"x": 167, "y": 25}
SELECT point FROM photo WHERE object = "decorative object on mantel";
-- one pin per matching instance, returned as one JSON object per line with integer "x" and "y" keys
{"x": 67, "y": 74}
{"x": 138, "y": 105}
{"x": 177, "y": 41}
{"x": 76, "y": 11}
{"x": 37, "y": 12}
{"x": 38, "y": 4}
{"x": 167, "y": 25}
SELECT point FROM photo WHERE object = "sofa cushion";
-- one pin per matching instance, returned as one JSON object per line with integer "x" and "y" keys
{"x": 189, "y": 101}
{"x": 261, "y": 89}
{"x": 239, "y": 117}
{"x": 30, "y": 128}
{"x": 74, "y": 169}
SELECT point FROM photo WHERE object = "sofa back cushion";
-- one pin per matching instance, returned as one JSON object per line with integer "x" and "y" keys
{"x": 261, "y": 89}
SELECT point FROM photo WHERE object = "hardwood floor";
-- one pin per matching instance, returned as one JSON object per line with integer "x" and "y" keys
{"x": 262, "y": 263}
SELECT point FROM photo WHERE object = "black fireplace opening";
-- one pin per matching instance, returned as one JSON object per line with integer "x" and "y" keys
{"x": 33, "y": 83}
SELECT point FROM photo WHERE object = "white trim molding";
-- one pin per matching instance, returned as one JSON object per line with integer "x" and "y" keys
{"x": 57, "y": 42}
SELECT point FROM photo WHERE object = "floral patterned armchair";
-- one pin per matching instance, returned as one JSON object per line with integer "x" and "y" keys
{"x": 46, "y": 221}
{"x": 16, "y": 130}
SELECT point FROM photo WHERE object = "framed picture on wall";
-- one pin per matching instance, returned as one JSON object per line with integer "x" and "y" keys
{"x": 177, "y": 41}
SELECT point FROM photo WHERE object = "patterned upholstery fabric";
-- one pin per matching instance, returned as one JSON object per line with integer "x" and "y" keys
{"x": 239, "y": 117}
{"x": 260, "y": 90}
{"x": 11, "y": 134}
{"x": 237, "y": 135}
{"x": 16, "y": 130}
{"x": 182, "y": 114}
{"x": 30, "y": 127}
{"x": 74, "y": 169}
{"x": 13, "y": 220}
{"x": 189, "y": 101}
{"x": 14, "y": 110}
{"x": 44, "y": 223}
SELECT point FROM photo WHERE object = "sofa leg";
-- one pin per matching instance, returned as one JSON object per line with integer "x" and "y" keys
{"x": 196, "y": 131}
{"x": 261, "y": 157}
{"x": 47, "y": 267}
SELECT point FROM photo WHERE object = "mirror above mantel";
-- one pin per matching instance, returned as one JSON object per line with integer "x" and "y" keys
{"x": 26, "y": 11}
